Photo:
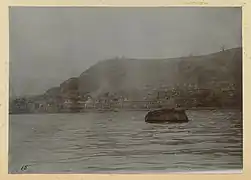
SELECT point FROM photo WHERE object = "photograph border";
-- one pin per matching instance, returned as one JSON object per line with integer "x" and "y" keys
{"x": 4, "y": 87}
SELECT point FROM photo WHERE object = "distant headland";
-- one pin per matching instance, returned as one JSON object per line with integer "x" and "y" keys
{"x": 208, "y": 81}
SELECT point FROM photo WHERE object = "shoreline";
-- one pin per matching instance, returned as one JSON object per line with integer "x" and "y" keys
{"x": 123, "y": 110}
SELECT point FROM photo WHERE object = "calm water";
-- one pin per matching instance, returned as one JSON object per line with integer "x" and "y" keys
{"x": 123, "y": 142}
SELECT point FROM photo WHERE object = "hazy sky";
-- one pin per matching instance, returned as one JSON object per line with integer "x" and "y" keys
{"x": 49, "y": 45}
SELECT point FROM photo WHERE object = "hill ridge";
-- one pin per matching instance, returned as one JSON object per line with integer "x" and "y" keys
{"x": 133, "y": 76}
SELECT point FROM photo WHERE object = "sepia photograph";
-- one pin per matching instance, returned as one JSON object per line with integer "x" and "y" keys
{"x": 125, "y": 90}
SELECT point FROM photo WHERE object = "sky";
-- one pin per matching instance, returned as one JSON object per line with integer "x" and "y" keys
{"x": 49, "y": 45}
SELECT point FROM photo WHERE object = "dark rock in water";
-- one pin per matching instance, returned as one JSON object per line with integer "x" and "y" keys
{"x": 166, "y": 115}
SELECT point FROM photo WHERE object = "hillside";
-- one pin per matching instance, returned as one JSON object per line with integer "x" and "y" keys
{"x": 136, "y": 77}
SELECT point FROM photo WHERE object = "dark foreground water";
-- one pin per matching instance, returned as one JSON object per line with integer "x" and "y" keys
{"x": 123, "y": 142}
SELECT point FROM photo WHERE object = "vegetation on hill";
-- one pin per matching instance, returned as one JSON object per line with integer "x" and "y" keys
{"x": 208, "y": 80}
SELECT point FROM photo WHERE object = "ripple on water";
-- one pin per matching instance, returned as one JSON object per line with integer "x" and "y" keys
{"x": 92, "y": 143}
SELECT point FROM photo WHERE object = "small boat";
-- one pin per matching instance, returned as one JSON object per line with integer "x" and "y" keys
{"x": 171, "y": 115}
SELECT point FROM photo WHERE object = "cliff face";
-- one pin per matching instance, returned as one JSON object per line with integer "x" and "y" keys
{"x": 133, "y": 76}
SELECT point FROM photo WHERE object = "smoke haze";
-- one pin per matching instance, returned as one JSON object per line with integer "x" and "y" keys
{"x": 49, "y": 45}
